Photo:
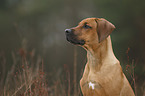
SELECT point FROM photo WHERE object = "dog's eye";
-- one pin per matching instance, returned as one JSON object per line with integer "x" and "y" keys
{"x": 87, "y": 26}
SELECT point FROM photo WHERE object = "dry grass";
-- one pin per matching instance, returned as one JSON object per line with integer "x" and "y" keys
{"x": 26, "y": 78}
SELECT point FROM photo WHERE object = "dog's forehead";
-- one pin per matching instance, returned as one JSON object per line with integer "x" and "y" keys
{"x": 88, "y": 20}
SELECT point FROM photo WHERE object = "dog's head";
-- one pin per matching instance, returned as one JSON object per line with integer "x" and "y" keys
{"x": 90, "y": 30}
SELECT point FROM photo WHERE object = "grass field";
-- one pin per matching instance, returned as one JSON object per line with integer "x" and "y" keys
{"x": 26, "y": 78}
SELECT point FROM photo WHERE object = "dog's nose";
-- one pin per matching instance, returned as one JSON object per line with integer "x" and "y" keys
{"x": 68, "y": 31}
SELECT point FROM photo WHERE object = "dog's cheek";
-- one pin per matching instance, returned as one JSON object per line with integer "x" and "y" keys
{"x": 90, "y": 36}
{"x": 94, "y": 36}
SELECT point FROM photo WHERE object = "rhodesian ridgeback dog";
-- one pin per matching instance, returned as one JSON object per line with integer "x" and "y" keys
{"x": 103, "y": 75}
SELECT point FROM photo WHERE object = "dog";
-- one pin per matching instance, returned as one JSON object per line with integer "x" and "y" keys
{"x": 103, "y": 75}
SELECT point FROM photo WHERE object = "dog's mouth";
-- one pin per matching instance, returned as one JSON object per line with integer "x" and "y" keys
{"x": 72, "y": 38}
{"x": 75, "y": 41}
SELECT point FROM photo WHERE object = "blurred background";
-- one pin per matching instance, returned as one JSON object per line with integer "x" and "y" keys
{"x": 35, "y": 28}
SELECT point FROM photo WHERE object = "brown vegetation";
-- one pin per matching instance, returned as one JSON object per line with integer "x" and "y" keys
{"x": 26, "y": 78}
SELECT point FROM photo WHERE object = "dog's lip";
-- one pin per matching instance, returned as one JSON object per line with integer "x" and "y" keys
{"x": 76, "y": 42}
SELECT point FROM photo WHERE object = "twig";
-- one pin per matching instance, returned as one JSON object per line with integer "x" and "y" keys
{"x": 18, "y": 89}
{"x": 75, "y": 71}
{"x": 69, "y": 84}
{"x": 133, "y": 77}
{"x": 131, "y": 70}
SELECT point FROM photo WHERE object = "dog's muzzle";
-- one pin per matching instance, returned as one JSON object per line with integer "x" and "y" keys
{"x": 72, "y": 38}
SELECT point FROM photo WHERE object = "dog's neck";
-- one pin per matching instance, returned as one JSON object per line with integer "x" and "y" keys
{"x": 101, "y": 55}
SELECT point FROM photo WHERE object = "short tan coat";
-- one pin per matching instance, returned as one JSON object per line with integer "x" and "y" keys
{"x": 103, "y": 75}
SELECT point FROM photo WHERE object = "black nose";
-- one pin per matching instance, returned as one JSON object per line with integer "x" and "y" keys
{"x": 68, "y": 31}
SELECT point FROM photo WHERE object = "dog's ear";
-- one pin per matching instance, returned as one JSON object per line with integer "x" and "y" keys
{"x": 104, "y": 28}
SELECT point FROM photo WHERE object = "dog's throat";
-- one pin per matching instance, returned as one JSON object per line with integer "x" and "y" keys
{"x": 94, "y": 63}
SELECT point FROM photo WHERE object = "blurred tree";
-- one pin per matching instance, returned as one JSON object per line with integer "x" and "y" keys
{"x": 2, "y": 4}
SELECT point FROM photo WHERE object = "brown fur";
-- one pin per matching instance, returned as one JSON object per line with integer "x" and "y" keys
{"x": 103, "y": 69}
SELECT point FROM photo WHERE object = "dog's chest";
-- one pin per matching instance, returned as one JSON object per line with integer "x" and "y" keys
{"x": 91, "y": 88}
{"x": 96, "y": 83}
{"x": 92, "y": 85}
